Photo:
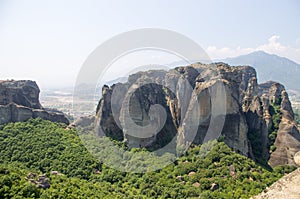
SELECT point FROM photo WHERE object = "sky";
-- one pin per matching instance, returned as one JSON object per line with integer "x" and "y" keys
{"x": 48, "y": 41}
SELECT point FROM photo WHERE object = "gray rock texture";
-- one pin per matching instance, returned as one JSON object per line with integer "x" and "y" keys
{"x": 19, "y": 101}
{"x": 248, "y": 117}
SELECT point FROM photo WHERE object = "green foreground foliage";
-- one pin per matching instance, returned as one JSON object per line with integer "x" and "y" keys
{"x": 297, "y": 115}
{"x": 40, "y": 146}
{"x": 276, "y": 119}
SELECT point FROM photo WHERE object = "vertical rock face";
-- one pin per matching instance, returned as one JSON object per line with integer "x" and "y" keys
{"x": 288, "y": 138}
{"x": 272, "y": 131}
{"x": 19, "y": 101}
{"x": 24, "y": 93}
{"x": 154, "y": 107}
{"x": 107, "y": 123}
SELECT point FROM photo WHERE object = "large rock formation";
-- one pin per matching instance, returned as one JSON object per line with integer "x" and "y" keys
{"x": 282, "y": 137}
{"x": 191, "y": 103}
{"x": 19, "y": 101}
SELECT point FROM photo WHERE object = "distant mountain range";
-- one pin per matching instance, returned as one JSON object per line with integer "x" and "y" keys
{"x": 270, "y": 67}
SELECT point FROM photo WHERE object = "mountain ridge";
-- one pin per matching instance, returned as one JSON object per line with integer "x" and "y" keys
{"x": 270, "y": 67}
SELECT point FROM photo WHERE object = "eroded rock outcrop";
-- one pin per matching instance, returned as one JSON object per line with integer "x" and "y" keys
{"x": 287, "y": 187}
{"x": 19, "y": 101}
{"x": 256, "y": 120}
{"x": 277, "y": 140}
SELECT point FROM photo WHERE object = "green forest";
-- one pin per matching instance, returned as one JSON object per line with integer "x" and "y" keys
{"x": 297, "y": 115}
{"x": 39, "y": 149}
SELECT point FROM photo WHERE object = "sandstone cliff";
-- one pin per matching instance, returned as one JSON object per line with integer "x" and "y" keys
{"x": 191, "y": 103}
{"x": 19, "y": 101}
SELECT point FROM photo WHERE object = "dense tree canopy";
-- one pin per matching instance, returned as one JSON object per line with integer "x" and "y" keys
{"x": 212, "y": 170}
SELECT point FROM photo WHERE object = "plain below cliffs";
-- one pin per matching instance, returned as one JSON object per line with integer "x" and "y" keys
{"x": 19, "y": 101}
{"x": 258, "y": 118}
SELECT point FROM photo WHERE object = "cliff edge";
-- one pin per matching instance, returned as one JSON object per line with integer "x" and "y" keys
{"x": 19, "y": 101}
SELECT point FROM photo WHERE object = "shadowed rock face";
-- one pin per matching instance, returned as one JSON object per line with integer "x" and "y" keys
{"x": 19, "y": 101}
{"x": 260, "y": 116}
{"x": 188, "y": 96}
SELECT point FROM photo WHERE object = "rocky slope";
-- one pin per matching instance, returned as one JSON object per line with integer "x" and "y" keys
{"x": 200, "y": 102}
{"x": 287, "y": 188}
{"x": 19, "y": 101}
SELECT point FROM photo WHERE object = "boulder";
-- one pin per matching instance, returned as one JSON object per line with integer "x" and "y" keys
{"x": 297, "y": 158}
{"x": 191, "y": 173}
{"x": 214, "y": 186}
{"x": 41, "y": 181}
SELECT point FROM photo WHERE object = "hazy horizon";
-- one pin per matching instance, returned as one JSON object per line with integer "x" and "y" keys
{"x": 48, "y": 41}
{"x": 110, "y": 79}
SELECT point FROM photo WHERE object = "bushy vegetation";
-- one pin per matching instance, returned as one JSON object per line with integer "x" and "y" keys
{"x": 14, "y": 185}
{"x": 276, "y": 119}
{"x": 297, "y": 115}
{"x": 46, "y": 146}
{"x": 209, "y": 171}
{"x": 257, "y": 147}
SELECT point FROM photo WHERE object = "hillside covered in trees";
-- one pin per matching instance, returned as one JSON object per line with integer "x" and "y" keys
{"x": 39, "y": 150}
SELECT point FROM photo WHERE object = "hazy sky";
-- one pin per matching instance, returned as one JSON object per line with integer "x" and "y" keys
{"x": 48, "y": 41}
